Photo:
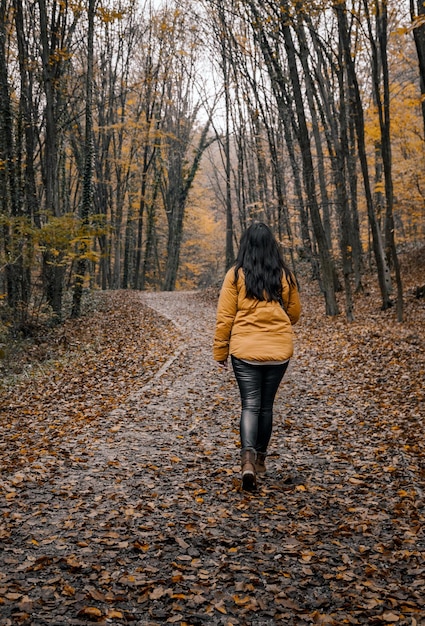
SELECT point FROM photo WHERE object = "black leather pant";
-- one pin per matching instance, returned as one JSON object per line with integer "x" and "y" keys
{"x": 258, "y": 385}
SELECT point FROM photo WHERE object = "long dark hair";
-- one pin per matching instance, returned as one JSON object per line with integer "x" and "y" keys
{"x": 261, "y": 260}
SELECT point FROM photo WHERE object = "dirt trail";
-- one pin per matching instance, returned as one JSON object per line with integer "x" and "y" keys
{"x": 150, "y": 526}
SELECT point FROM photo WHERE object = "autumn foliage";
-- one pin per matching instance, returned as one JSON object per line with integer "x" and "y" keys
{"x": 138, "y": 140}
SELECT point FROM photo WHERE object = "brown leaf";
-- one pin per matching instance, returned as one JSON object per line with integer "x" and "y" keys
{"x": 97, "y": 595}
{"x": 68, "y": 590}
{"x": 182, "y": 543}
{"x": 114, "y": 614}
{"x": 220, "y": 607}
{"x": 390, "y": 618}
{"x": 90, "y": 611}
{"x": 157, "y": 593}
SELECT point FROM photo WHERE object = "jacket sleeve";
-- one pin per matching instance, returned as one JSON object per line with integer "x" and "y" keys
{"x": 226, "y": 312}
{"x": 293, "y": 304}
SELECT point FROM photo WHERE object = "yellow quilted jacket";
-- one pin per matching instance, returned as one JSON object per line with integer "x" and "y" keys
{"x": 252, "y": 329}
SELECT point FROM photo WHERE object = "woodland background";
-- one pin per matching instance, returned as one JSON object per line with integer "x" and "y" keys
{"x": 137, "y": 140}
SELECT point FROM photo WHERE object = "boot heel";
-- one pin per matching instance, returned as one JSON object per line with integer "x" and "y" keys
{"x": 249, "y": 478}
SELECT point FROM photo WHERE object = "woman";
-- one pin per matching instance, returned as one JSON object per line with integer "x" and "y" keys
{"x": 258, "y": 304}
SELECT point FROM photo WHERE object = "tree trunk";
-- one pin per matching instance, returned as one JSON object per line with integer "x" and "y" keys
{"x": 333, "y": 109}
{"x": 138, "y": 279}
{"x": 176, "y": 207}
{"x": 17, "y": 275}
{"x": 351, "y": 158}
{"x": 86, "y": 203}
{"x": 129, "y": 245}
{"x": 384, "y": 276}
{"x": 53, "y": 270}
{"x": 326, "y": 261}
{"x": 418, "y": 21}
{"x": 289, "y": 123}
{"x": 311, "y": 93}
{"x": 151, "y": 270}
{"x": 27, "y": 106}
{"x": 382, "y": 26}
{"x": 224, "y": 63}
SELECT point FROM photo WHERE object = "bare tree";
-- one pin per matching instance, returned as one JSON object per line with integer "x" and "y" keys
{"x": 275, "y": 71}
{"x": 381, "y": 88}
{"x": 87, "y": 200}
{"x": 417, "y": 14}
{"x": 10, "y": 205}
{"x": 55, "y": 43}
{"x": 384, "y": 276}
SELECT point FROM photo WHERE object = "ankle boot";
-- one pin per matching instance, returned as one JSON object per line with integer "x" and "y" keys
{"x": 260, "y": 463}
{"x": 249, "y": 481}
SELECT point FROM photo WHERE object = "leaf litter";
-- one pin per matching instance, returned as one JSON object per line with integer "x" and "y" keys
{"x": 120, "y": 496}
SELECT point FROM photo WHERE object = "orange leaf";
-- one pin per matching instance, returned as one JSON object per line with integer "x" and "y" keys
{"x": 241, "y": 601}
{"x": 92, "y": 611}
{"x": 220, "y": 607}
{"x": 113, "y": 613}
{"x": 68, "y": 590}
{"x": 143, "y": 547}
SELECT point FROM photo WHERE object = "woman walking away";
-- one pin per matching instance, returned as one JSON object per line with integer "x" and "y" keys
{"x": 258, "y": 304}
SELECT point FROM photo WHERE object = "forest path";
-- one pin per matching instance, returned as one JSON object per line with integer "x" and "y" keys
{"x": 196, "y": 393}
{"x": 145, "y": 523}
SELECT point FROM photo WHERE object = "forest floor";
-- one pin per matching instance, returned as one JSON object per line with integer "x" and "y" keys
{"x": 120, "y": 498}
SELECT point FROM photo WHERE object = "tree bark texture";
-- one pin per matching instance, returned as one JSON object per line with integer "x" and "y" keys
{"x": 384, "y": 276}
{"x": 87, "y": 200}
{"x": 417, "y": 14}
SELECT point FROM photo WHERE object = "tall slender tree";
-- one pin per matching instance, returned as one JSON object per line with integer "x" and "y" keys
{"x": 384, "y": 276}
{"x": 87, "y": 199}
{"x": 10, "y": 204}
{"x": 303, "y": 136}
{"x": 224, "y": 42}
{"x": 417, "y": 14}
